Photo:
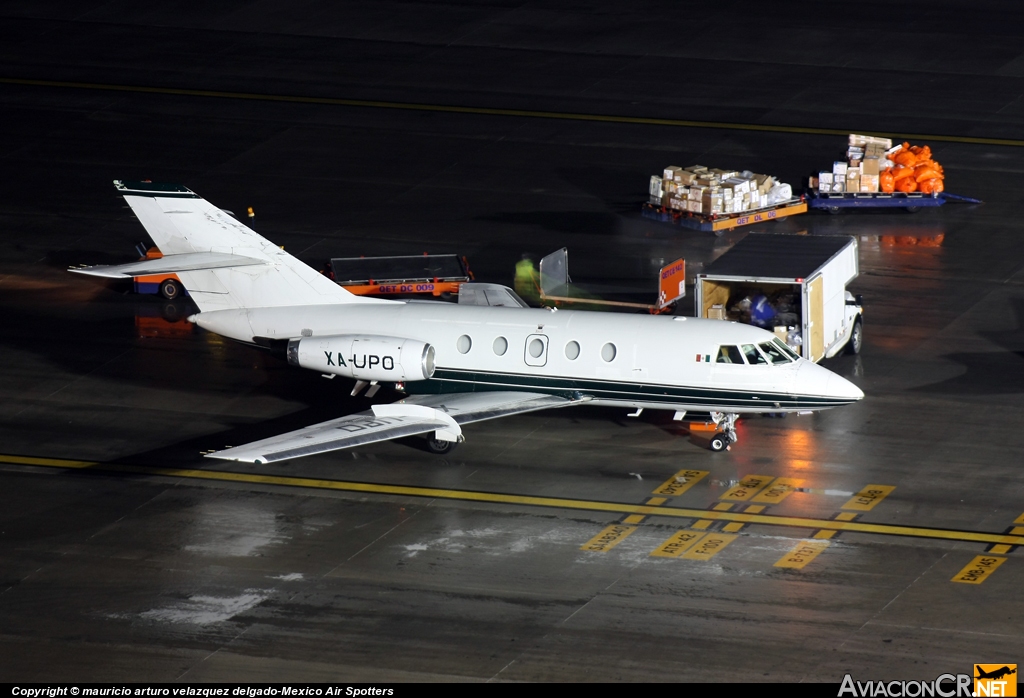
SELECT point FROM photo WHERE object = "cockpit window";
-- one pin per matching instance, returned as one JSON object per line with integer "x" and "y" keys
{"x": 753, "y": 355}
{"x": 729, "y": 355}
{"x": 775, "y": 355}
{"x": 786, "y": 348}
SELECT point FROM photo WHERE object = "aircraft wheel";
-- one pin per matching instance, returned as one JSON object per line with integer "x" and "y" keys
{"x": 718, "y": 442}
{"x": 440, "y": 447}
{"x": 853, "y": 346}
{"x": 170, "y": 289}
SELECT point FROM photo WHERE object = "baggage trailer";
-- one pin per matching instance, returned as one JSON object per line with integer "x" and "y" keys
{"x": 836, "y": 202}
{"x": 719, "y": 223}
{"x": 436, "y": 274}
{"x": 794, "y": 285}
{"x": 166, "y": 284}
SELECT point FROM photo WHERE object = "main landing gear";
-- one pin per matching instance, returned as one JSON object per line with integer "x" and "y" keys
{"x": 440, "y": 446}
{"x": 726, "y": 434}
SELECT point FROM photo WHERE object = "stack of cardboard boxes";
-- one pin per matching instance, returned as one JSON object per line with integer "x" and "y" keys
{"x": 865, "y": 160}
{"x": 697, "y": 189}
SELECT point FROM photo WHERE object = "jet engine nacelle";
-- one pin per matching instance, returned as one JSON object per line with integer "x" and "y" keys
{"x": 364, "y": 357}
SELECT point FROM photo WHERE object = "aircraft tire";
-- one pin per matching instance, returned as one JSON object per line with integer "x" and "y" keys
{"x": 170, "y": 289}
{"x": 718, "y": 442}
{"x": 856, "y": 341}
{"x": 439, "y": 447}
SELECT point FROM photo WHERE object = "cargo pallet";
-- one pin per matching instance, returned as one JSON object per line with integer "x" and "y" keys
{"x": 719, "y": 223}
{"x": 837, "y": 201}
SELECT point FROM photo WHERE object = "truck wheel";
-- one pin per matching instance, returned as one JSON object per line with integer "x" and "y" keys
{"x": 912, "y": 209}
{"x": 440, "y": 447}
{"x": 834, "y": 210}
{"x": 170, "y": 289}
{"x": 718, "y": 442}
{"x": 856, "y": 341}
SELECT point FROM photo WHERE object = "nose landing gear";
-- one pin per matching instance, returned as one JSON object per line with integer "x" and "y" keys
{"x": 726, "y": 434}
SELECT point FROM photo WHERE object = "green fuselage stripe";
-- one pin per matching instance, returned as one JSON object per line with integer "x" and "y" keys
{"x": 448, "y": 380}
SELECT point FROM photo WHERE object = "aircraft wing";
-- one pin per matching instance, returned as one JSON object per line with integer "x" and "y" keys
{"x": 193, "y": 261}
{"x": 419, "y": 414}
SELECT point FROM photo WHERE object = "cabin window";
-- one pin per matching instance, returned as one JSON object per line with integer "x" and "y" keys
{"x": 753, "y": 355}
{"x": 572, "y": 351}
{"x": 500, "y": 346}
{"x": 608, "y": 352}
{"x": 787, "y": 349}
{"x": 536, "y": 348}
{"x": 774, "y": 354}
{"x": 464, "y": 344}
{"x": 729, "y": 355}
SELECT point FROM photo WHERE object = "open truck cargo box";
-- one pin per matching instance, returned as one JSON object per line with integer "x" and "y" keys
{"x": 435, "y": 274}
{"x": 806, "y": 275}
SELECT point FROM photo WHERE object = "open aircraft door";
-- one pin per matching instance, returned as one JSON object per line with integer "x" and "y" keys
{"x": 815, "y": 317}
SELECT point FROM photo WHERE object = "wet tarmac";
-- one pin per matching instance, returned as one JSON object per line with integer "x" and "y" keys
{"x": 526, "y": 554}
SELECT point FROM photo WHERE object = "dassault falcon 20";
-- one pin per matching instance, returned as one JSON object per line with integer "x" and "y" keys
{"x": 457, "y": 363}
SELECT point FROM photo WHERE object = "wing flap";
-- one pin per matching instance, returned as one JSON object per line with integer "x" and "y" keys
{"x": 347, "y": 432}
{"x": 420, "y": 414}
{"x": 466, "y": 408}
{"x": 191, "y": 261}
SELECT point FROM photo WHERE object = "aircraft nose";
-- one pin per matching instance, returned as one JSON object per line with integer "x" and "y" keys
{"x": 839, "y": 387}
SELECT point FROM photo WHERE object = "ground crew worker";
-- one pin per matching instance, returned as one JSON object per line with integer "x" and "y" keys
{"x": 527, "y": 280}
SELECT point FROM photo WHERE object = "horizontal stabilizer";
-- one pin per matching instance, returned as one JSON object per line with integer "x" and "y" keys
{"x": 223, "y": 264}
{"x": 192, "y": 261}
{"x": 420, "y": 414}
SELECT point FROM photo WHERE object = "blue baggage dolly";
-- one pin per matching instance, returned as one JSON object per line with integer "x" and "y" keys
{"x": 836, "y": 202}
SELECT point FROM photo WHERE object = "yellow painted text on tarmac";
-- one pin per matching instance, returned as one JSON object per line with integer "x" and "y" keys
{"x": 678, "y": 544}
{"x": 680, "y": 482}
{"x": 608, "y": 538}
{"x": 802, "y": 554}
{"x": 979, "y": 569}
{"x": 747, "y": 488}
{"x": 709, "y": 546}
{"x": 778, "y": 490}
{"x": 867, "y": 498}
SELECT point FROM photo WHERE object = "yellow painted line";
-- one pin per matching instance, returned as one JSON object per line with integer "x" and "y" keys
{"x": 733, "y": 527}
{"x": 656, "y": 501}
{"x": 1000, "y": 549}
{"x": 486, "y": 111}
{"x": 680, "y": 482}
{"x": 702, "y": 524}
{"x": 1017, "y": 530}
{"x": 867, "y": 498}
{"x": 747, "y": 488}
{"x": 633, "y": 519}
{"x": 608, "y": 538}
{"x": 709, "y": 546}
{"x": 723, "y": 506}
{"x": 979, "y": 569}
{"x": 841, "y": 516}
{"x": 678, "y": 544}
{"x": 525, "y": 500}
{"x": 754, "y": 509}
{"x": 802, "y": 554}
{"x": 1019, "y": 519}
{"x": 781, "y": 488}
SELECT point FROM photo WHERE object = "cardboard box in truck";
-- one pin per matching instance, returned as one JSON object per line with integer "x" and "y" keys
{"x": 792, "y": 284}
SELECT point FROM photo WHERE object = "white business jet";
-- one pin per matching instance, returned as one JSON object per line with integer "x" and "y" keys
{"x": 457, "y": 364}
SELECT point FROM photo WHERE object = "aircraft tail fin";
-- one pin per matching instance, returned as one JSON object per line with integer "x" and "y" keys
{"x": 250, "y": 272}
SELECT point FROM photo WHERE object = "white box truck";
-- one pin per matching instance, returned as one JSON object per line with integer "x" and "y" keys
{"x": 794, "y": 285}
